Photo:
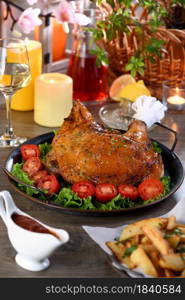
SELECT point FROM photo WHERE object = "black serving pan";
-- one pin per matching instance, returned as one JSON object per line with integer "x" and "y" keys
{"x": 172, "y": 164}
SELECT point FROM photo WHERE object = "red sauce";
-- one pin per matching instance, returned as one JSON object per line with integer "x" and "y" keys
{"x": 89, "y": 81}
{"x": 31, "y": 225}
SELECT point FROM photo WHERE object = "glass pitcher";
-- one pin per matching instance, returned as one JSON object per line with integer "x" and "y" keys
{"x": 90, "y": 82}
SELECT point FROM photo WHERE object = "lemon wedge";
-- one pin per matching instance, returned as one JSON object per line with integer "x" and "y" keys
{"x": 133, "y": 90}
{"x": 119, "y": 83}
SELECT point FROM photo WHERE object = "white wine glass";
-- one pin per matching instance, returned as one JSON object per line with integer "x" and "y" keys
{"x": 14, "y": 75}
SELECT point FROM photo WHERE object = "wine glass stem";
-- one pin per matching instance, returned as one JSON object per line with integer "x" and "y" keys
{"x": 9, "y": 129}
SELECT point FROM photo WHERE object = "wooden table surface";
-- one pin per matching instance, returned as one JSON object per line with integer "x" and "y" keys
{"x": 80, "y": 257}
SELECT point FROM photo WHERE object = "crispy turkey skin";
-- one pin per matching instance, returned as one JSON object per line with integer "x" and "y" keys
{"x": 84, "y": 150}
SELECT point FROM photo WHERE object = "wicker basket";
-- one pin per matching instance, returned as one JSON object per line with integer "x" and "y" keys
{"x": 171, "y": 66}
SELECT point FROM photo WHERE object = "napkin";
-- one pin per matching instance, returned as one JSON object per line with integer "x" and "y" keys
{"x": 103, "y": 234}
{"x": 149, "y": 110}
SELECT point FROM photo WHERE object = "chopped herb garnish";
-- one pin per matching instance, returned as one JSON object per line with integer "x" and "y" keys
{"x": 156, "y": 147}
{"x": 129, "y": 250}
{"x": 176, "y": 231}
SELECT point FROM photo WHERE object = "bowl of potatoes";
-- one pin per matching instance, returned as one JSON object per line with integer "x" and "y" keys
{"x": 152, "y": 247}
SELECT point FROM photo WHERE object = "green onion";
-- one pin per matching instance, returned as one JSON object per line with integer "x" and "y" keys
{"x": 129, "y": 250}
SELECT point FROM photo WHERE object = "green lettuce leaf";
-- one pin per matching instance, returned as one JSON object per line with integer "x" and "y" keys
{"x": 44, "y": 149}
{"x": 116, "y": 203}
{"x": 21, "y": 175}
{"x": 67, "y": 198}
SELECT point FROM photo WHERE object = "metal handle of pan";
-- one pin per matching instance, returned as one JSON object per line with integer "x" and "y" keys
{"x": 172, "y": 131}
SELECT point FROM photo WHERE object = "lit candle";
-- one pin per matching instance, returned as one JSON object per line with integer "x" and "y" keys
{"x": 53, "y": 99}
{"x": 23, "y": 100}
{"x": 176, "y": 99}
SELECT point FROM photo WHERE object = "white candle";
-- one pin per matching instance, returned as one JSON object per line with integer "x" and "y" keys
{"x": 53, "y": 99}
{"x": 176, "y": 100}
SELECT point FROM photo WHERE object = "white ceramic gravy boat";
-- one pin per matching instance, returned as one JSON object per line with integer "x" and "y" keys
{"x": 33, "y": 248}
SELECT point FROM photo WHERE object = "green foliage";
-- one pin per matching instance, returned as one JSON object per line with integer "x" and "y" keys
{"x": 120, "y": 19}
{"x": 135, "y": 64}
{"x": 154, "y": 46}
{"x": 180, "y": 2}
{"x": 101, "y": 56}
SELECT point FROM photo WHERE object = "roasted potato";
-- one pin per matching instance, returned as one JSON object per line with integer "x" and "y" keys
{"x": 142, "y": 261}
{"x": 118, "y": 250}
{"x": 171, "y": 223}
{"x": 182, "y": 273}
{"x": 157, "y": 239}
{"x": 168, "y": 273}
{"x": 174, "y": 240}
{"x": 172, "y": 262}
{"x": 156, "y": 246}
{"x": 136, "y": 228}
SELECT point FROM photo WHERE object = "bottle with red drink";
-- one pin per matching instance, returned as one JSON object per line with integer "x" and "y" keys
{"x": 90, "y": 82}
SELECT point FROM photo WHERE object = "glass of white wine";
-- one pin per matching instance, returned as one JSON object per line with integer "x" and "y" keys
{"x": 14, "y": 75}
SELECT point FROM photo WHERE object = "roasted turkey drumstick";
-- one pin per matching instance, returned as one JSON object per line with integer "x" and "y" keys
{"x": 84, "y": 150}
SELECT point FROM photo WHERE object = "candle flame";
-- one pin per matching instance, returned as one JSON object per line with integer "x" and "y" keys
{"x": 51, "y": 81}
{"x": 177, "y": 90}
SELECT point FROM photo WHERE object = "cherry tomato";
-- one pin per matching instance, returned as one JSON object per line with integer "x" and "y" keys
{"x": 105, "y": 192}
{"x": 30, "y": 150}
{"x": 40, "y": 175}
{"x": 150, "y": 188}
{"x": 128, "y": 191}
{"x": 83, "y": 189}
{"x": 32, "y": 165}
{"x": 49, "y": 183}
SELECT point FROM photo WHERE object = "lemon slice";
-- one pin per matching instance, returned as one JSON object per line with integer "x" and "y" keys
{"x": 118, "y": 84}
{"x": 133, "y": 90}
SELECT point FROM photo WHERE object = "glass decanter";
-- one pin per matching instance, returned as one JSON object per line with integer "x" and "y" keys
{"x": 90, "y": 82}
